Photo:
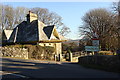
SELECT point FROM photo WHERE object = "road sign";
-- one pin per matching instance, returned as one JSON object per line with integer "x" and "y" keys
{"x": 95, "y": 42}
{"x": 91, "y": 48}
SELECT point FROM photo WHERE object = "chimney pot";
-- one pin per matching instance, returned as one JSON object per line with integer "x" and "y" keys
{"x": 31, "y": 17}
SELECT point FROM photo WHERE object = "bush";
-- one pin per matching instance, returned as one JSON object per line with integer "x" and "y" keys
{"x": 39, "y": 52}
{"x": 105, "y": 53}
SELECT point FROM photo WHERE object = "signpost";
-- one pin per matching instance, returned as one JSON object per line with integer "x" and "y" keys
{"x": 95, "y": 42}
{"x": 95, "y": 47}
{"x": 91, "y": 48}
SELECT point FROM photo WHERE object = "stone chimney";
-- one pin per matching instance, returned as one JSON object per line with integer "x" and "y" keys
{"x": 31, "y": 17}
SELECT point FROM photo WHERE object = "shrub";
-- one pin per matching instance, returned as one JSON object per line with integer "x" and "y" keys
{"x": 39, "y": 52}
{"x": 105, "y": 53}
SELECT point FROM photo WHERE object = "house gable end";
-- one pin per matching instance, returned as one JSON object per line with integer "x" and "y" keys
{"x": 42, "y": 35}
{"x": 13, "y": 36}
{"x": 8, "y": 33}
{"x": 4, "y": 38}
{"x": 55, "y": 34}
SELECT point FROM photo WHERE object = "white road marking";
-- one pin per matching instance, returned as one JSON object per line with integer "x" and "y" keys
{"x": 14, "y": 74}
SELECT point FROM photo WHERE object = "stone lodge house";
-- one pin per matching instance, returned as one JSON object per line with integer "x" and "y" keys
{"x": 34, "y": 32}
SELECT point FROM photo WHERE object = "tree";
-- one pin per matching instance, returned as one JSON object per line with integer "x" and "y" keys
{"x": 19, "y": 15}
{"x": 116, "y": 8}
{"x": 64, "y": 31}
{"x": 11, "y": 17}
{"x": 7, "y": 16}
{"x": 51, "y": 18}
{"x": 0, "y": 16}
{"x": 70, "y": 46}
{"x": 47, "y": 17}
{"x": 98, "y": 22}
{"x": 0, "y": 24}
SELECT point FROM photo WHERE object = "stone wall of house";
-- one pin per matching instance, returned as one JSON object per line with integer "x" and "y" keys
{"x": 28, "y": 52}
{"x": 43, "y": 51}
{"x": 14, "y": 52}
{"x": 57, "y": 46}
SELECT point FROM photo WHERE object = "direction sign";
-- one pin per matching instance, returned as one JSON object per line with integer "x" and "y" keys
{"x": 91, "y": 48}
{"x": 95, "y": 42}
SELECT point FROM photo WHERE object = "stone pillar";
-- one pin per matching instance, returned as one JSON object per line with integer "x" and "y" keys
{"x": 27, "y": 56}
{"x": 70, "y": 57}
{"x": 93, "y": 53}
{"x": 55, "y": 57}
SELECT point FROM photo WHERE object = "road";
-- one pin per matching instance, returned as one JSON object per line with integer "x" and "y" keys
{"x": 20, "y": 68}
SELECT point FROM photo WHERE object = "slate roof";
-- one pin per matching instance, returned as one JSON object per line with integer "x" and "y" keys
{"x": 34, "y": 31}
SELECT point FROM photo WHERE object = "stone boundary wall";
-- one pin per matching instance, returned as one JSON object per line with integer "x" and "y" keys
{"x": 109, "y": 62}
{"x": 14, "y": 52}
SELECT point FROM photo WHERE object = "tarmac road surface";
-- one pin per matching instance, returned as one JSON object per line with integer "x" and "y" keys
{"x": 21, "y": 68}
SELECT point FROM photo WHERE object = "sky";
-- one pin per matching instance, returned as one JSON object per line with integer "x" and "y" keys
{"x": 71, "y": 12}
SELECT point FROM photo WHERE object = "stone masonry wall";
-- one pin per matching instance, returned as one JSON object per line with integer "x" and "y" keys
{"x": 108, "y": 62}
{"x": 14, "y": 52}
